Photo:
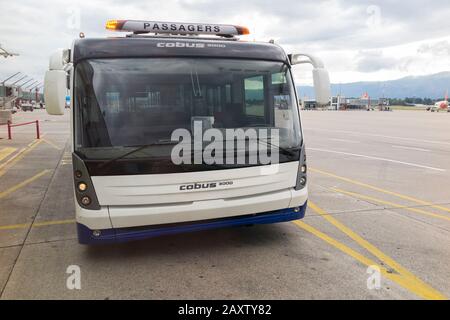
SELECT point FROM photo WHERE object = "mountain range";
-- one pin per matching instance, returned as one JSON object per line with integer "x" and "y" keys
{"x": 431, "y": 86}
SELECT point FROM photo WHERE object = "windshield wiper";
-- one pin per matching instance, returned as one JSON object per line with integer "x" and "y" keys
{"x": 138, "y": 148}
{"x": 289, "y": 152}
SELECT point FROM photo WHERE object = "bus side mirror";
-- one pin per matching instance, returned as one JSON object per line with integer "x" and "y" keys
{"x": 55, "y": 89}
{"x": 321, "y": 78}
{"x": 322, "y": 89}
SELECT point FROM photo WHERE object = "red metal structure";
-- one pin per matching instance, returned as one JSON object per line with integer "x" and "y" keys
{"x": 38, "y": 134}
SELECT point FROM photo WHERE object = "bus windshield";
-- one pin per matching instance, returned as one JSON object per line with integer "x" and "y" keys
{"x": 123, "y": 103}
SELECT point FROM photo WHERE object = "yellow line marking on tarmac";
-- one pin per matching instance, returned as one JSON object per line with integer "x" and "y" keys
{"x": 37, "y": 224}
{"x": 11, "y": 162}
{"x": 399, "y": 195}
{"x": 419, "y": 287}
{"x": 6, "y": 152}
{"x": 15, "y": 226}
{"x": 52, "y": 223}
{"x": 425, "y": 292}
{"x": 23, "y": 183}
{"x": 395, "y": 205}
{"x": 12, "y": 158}
{"x": 51, "y": 143}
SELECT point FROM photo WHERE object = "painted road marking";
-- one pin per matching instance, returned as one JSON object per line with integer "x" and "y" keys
{"x": 410, "y": 148}
{"x": 404, "y": 279}
{"x": 22, "y": 184}
{"x": 415, "y": 284}
{"x": 6, "y": 152}
{"x": 382, "y": 136}
{"x": 392, "y": 193}
{"x": 11, "y": 159}
{"x": 395, "y": 205}
{"x": 67, "y": 158}
{"x": 344, "y": 140}
{"x": 17, "y": 157}
{"x": 37, "y": 224}
{"x": 51, "y": 143}
{"x": 52, "y": 223}
{"x": 376, "y": 158}
{"x": 425, "y": 291}
{"x": 15, "y": 226}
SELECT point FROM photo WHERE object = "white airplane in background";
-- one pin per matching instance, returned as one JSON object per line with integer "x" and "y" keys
{"x": 441, "y": 105}
{"x": 4, "y": 53}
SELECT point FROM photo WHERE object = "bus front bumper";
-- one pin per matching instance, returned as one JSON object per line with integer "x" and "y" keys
{"x": 114, "y": 235}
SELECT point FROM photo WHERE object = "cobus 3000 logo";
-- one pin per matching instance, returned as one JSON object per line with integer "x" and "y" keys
{"x": 197, "y": 186}
{"x": 180, "y": 45}
{"x": 205, "y": 185}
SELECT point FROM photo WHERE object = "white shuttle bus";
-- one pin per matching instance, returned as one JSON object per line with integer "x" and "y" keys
{"x": 180, "y": 127}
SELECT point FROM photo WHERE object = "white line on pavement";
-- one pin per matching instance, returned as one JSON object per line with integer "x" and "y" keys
{"x": 376, "y": 158}
{"x": 381, "y": 136}
{"x": 344, "y": 140}
{"x": 410, "y": 148}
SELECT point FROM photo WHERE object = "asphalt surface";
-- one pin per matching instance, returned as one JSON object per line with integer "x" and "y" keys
{"x": 379, "y": 196}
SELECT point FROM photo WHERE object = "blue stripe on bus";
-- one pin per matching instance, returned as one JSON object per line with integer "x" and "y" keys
{"x": 85, "y": 235}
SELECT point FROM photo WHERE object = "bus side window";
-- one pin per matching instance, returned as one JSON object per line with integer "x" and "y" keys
{"x": 113, "y": 101}
{"x": 254, "y": 96}
{"x": 228, "y": 93}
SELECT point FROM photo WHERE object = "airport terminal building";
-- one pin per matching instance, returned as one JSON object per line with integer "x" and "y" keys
{"x": 342, "y": 103}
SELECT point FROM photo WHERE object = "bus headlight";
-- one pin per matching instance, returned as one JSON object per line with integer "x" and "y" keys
{"x": 302, "y": 181}
{"x": 86, "y": 200}
{"x": 302, "y": 168}
{"x": 82, "y": 186}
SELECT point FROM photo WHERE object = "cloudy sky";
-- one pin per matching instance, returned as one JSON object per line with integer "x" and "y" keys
{"x": 357, "y": 39}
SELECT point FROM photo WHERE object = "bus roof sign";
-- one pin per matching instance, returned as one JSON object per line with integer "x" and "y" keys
{"x": 137, "y": 26}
